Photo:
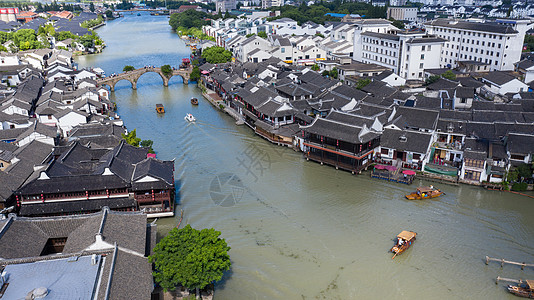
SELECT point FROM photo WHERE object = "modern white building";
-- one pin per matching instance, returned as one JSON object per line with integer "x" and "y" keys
{"x": 402, "y": 13}
{"x": 271, "y": 3}
{"x": 224, "y": 5}
{"x": 498, "y": 44}
{"x": 405, "y": 53}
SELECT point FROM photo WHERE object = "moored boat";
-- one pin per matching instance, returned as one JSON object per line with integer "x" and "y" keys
{"x": 424, "y": 192}
{"x": 404, "y": 241}
{"x": 525, "y": 289}
{"x": 190, "y": 118}
{"x": 194, "y": 101}
{"x": 160, "y": 109}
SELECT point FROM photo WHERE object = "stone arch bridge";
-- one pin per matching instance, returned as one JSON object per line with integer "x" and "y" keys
{"x": 133, "y": 76}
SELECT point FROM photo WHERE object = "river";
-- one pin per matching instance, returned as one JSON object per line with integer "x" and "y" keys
{"x": 299, "y": 230}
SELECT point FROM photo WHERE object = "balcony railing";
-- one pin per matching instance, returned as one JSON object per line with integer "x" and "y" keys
{"x": 443, "y": 145}
{"x": 148, "y": 197}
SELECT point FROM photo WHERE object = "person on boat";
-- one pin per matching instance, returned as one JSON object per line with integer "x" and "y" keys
{"x": 431, "y": 187}
{"x": 401, "y": 241}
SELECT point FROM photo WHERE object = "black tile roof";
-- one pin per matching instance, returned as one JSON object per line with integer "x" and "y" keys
{"x": 489, "y": 27}
{"x": 406, "y": 140}
{"x": 337, "y": 130}
{"x": 520, "y": 143}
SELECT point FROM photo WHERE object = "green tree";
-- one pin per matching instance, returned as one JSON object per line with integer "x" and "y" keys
{"x": 363, "y": 83}
{"x": 195, "y": 74}
{"x": 315, "y": 67}
{"x": 92, "y": 7}
{"x": 189, "y": 18}
{"x": 325, "y": 73}
{"x": 397, "y": 23}
{"x": 147, "y": 144}
{"x": 216, "y": 55}
{"x": 262, "y": 34}
{"x": 319, "y": 34}
{"x": 431, "y": 79}
{"x": 109, "y": 14}
{"x": 334, "y": 73}
{"x": 166, "y": 70}
{"x": 63, "y": 35}
{"x": 449, "y": 75}
{"x": 128, "y": 68}
{"x": 250, "y": 34}
{"x": 524, "y": 171}
{"x": 131, "y": 138}
{"x": 190, "y": 257}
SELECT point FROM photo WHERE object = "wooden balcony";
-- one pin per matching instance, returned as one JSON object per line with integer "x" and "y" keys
{"x": 160, "y": 197}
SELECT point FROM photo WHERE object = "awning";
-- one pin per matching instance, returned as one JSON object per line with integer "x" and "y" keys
{"x": 440, "y": 171}
{"x": 408, "y": 172}
{"x": 391, "y": 168}
{"x": 380, "y": 167}
{"x": 204, "y": 72}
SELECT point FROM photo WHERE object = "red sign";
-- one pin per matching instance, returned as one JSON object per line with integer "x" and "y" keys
{"x": 12, "y": 10}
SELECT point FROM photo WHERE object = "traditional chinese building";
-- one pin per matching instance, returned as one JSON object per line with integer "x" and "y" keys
{"x": 346, "y": 146}
{"x": 82, "y": 180}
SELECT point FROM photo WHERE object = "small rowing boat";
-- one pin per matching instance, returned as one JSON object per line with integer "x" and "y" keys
{"x": 194, "y": 101}
{"x": 424, "y": 192}
{"x": 404, "y": 241}
{"x": 160, "y": 109}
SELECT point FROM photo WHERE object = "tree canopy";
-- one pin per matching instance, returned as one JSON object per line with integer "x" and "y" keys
{"x": 449, "y": 75}
{"x": 362, "y": 83}
{"x": 316, "y": 12}
{"x": 128, "y": 68}
{"x": 166, "y": 70}
{"x": 189, "y": 18}
{"x": 190, "y": 257}
{"x": 397, "y": 23}
{"x": 131, "y": 138}
{"x": 195, "y": 74}
{"x": 216, "y": 55}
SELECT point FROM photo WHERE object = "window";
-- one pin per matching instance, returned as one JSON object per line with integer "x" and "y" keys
{"x": 49, "y": 117}
{"x": 475, "y": 163}
{"x": 283, "y": 50}
{"x": 423, "y": 56}
{"x": 384, "y": 151}
{"x": 423, "y": 48}
{"x": 472, "y": 175}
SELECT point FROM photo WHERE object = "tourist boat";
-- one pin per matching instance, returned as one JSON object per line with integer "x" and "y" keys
{"x": 404, "y": 241}
{"x": 138, "y": 14}
{"x": 190, "y": 118}
{"x": 160, "y": 109}
{"x": 424, "y": 192}
{"x": 194, "y": 101}
{"x": 525, "y": 289}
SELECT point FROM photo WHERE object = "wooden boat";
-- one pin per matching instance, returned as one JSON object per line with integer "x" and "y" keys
{"x": 404, "y": 240}
{"x": 160, "y": 109}
{"x": 194, "y": 101}
{"x": 424, "y": 192}
{"x": 523, "y": 290}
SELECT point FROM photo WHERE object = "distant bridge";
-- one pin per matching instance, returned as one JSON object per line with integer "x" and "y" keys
{"x": 133, "y": 76}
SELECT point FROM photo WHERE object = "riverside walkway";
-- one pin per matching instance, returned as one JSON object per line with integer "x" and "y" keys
{"x": 133, "y": 76}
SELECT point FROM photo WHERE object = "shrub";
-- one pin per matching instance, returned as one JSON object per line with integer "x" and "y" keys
{"x": 519, "y": 186}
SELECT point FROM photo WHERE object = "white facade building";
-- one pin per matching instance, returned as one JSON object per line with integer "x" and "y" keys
{"x": 402, "y": 13}
{"x": 271, "y": 3}
{"x": 498, "y": 44}
{"x": 407, "y": 54}
{"x": 224, "y": 5}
